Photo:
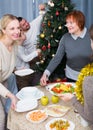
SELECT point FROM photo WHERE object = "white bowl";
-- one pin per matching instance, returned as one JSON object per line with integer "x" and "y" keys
{"x": 29, "y": 92}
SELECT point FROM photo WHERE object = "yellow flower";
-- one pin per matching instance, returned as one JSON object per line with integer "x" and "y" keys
{"x": 86, "y": 71}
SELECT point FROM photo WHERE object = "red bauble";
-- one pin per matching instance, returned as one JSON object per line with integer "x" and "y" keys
{"x": 44, "y": 48}
{"x": 48, "y": 45}
{"x": 57, "y": 13}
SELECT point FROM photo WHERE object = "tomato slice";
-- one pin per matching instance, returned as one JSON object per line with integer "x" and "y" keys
{"x": 56, "y": 90}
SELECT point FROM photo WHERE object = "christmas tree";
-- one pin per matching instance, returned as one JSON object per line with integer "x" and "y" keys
{"x": 52, "y": 29}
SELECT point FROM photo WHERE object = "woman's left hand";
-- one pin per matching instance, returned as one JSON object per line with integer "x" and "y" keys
{"x": 14, "y": 101}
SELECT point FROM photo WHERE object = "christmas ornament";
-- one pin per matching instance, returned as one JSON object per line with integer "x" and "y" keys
{"x": 49, "y": 23}
{"x": 42, "y": 35}
{"x": 60, "y": 27}
{"x": 48, "y": 45}
{"x": 51, "y": 17}
{"x": 43, "y": 47}
{"x": 50, "y": 3}
{"x": 57, "y": 13}
{"x": 51, "y": 36}
{"x": 66, "y": 8}
{"x": 54, "y": 30}
{"x": 41, "y": 61}
{"x": 53, "y": 55}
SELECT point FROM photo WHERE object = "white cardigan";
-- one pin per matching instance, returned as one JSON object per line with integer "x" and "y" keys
{"x": 7, "y": 64}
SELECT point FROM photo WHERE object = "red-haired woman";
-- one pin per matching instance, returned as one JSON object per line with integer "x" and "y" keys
{"x": 76, "y": 44}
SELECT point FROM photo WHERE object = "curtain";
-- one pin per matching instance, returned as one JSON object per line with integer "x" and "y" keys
{"x": 29, "y": 8}
{"x": 24, "y": 8}
{"x": 86, "y": 6}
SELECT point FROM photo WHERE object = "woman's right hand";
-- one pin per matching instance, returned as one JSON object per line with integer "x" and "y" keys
{"x": 43, "y": 80}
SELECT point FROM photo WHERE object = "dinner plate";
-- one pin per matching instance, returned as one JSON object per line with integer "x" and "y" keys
{"x": 36, "y": 116}
{"x": 71, "y": 127}
{"x": 24, "y": 72}
{"x": 26, "y": 105}
{"x": 50, "y": 86}
{"x": 30, "y": 92}
{"x": 56, "y": 110}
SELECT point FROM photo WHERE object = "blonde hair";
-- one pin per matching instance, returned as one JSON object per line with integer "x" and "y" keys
{"x": 4, "y": 21}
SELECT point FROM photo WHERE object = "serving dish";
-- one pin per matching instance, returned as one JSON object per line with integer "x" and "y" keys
{"x": 61, "y": 88}
{"x": 36, "y": 116}
{"x": 56, "y": 110}
{"x": 58, "y": 120}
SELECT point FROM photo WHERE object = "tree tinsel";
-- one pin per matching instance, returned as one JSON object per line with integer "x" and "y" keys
{"x": 86, "y": 71}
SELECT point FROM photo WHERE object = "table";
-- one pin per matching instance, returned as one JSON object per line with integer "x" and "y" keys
{"x": 17, "y": 121}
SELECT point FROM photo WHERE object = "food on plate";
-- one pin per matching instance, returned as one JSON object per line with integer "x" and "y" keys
{"x": 54, "y": 99}
{"x": 60, "y": 125}
{"x": 62, "y": 88}
{"x": 44, "y": 100}
{"x": 37, "y": 116}
{"x": 57, "y": 110}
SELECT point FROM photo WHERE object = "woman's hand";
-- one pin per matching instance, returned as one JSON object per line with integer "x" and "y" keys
{"x": 39, "y": 52}
{"x": 14, "y": 100}
{"x": 43, "y": 80}
{"x": 66, "y": 96}
{"x": 42, "y": 7}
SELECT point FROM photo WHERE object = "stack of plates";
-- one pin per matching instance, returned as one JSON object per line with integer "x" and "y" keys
{"x": 28, "y": 98}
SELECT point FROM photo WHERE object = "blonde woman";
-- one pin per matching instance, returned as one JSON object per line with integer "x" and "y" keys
{"x": 9, "y": 33}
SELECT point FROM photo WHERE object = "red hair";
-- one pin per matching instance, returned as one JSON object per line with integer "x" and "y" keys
{"x": 78, "y": 17}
